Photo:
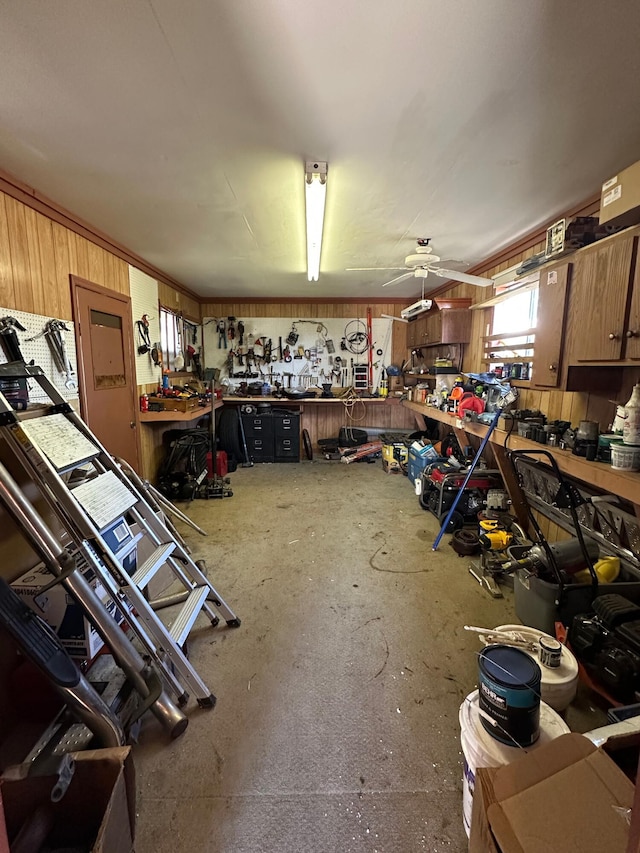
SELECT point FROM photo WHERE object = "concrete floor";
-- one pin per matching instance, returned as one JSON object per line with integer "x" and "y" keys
{"x": 336, "y": 727}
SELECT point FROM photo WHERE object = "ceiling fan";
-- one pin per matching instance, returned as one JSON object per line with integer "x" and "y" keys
{"x": 423, "y": 262}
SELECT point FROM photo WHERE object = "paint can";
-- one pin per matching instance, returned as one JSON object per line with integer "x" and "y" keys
{"x": 480, "y": 749}
{"x": 559, "y": 684}
{"x": 509, "y": 683}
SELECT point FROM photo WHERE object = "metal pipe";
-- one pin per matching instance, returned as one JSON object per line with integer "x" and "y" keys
{"x": 87, "y": 705}
{"x": 57, "y": 560}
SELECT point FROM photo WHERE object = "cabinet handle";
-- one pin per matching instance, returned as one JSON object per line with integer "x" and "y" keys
{"x": 613, "y": 337}
{"x": 632, "y": 334}
{"x": 553, "y": 367}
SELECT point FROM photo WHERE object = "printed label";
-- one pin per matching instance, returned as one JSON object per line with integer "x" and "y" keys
{"x": 492, "y": 697}
{"x": 552, "y": 277}
{"x": 612, "y": 195}
{"x": 608, "y": 184}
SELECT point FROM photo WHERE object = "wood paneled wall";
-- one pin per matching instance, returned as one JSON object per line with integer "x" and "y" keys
{"x": 37, "y": 256}
{"x": 176, "y": 300}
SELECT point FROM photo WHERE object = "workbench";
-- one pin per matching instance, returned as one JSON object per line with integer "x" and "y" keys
{"x": 155, "y": 424}
{"x": 625, "y": 484}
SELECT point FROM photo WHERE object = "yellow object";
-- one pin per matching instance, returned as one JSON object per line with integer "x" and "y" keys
{"x": 496, "y": 540}
{"x": 607, "y": 570}
{"x": 395, "y": 453}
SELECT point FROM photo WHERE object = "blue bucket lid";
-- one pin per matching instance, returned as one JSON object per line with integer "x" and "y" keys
{"x": 509, "y": 666}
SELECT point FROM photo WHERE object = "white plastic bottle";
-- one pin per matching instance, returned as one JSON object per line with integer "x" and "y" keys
{"x": 631, "y": 431}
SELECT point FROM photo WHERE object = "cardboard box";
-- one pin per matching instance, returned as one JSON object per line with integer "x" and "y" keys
{"x": 98, "y": 811}
{"x": 567, "y": 795}
{"x": 61, "y": 611}
{"x": 620, "y": 198}
{"x": 394, "y": 456}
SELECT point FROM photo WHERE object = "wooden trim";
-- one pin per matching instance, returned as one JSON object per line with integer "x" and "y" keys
{"x": 77, "y": 281}
{"x": 508, "y": 335}
{"x": 49, "y": 208}
{"x": 299, "y": 300}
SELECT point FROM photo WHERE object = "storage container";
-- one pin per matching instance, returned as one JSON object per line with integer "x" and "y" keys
{"x": 418, "y": 459}
{"x": 625, "y": 457}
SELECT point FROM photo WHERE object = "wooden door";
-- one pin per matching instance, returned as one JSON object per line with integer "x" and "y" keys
{"x": 106, "y": 367}
{"x": 553, "y": 292}
{"x": 599, "y": 288}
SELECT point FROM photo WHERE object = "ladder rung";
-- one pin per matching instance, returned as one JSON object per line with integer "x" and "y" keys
{"x": 188, "y": 614}
{"x": 151, "y": 565}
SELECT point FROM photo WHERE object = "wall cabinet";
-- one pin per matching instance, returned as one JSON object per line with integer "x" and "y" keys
{"x": 444, "y": 326}
{"x": 604, "y": 304}
{"x": 553, "y": 294}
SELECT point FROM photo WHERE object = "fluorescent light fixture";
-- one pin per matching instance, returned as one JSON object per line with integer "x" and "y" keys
{"x": 315, "y": 182}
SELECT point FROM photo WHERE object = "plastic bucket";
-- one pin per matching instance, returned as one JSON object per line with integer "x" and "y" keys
{"x": 509, "y": 682}
{"x": 481, "y": 750}
{"x": 625, "y": 457}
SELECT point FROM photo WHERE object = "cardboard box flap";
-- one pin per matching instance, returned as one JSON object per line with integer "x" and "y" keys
{"x": 541, "y": 763}
{"x": 572, "y": 809}
{"x": 123, "y": 800}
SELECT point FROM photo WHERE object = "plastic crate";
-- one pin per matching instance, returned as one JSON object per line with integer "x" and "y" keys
{"x": 418, "y": 459}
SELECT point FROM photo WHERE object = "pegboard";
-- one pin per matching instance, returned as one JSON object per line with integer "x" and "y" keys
{"x": 312, "y": 369}
{"x": 39, "y": 351}
{"x": 144, "y": 300}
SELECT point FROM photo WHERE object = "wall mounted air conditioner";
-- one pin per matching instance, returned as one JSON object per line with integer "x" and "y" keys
{"x": 415, "y": 309}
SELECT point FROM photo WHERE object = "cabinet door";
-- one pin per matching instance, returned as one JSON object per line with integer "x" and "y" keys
{"x": 418, "y": 332}
{"x": 600, "y": 283}
{"x": 553, "y": 292}
{"x": 412, "y": 340}
{"x": 434, "y": 328}
{"x": 456, "y": 326}
{"x": 632, "y": 333}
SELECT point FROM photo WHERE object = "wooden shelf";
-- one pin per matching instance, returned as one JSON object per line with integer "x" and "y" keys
{"x": 625, "y": 484}
{"x": 166, "y": 416}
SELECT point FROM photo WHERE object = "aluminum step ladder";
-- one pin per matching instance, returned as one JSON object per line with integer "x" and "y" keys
{"x": 55, "y": 448}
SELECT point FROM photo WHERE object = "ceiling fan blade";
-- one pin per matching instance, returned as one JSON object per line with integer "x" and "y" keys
{"x": 464, "y": 277}
{"x": 371, "y": 269}
{"x": 399, "y": 278}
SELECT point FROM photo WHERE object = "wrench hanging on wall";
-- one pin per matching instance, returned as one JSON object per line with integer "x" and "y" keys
{"x": 54, "y": 332}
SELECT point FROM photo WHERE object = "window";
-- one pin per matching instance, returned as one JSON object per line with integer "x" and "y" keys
{"x": 170, "y": 339}
{"x": 516, "y": 314}
{"x": 509, "y": 345}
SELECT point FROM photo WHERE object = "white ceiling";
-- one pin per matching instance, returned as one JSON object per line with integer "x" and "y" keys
{"x": 180, "y": 127}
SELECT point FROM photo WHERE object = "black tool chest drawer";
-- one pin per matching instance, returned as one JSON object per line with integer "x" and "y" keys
{"x": 273, "y": 436}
